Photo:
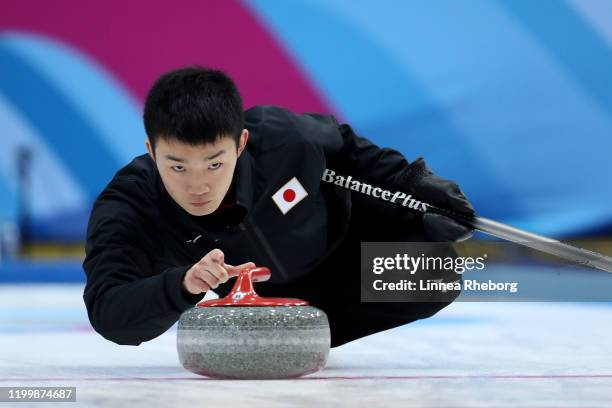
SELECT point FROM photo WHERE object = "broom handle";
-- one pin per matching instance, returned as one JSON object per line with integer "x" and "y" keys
{"x": 541, "y": 243}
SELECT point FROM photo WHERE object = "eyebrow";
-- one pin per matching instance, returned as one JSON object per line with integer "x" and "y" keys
{"x": 181, "y": 160}
{"x": 219, "y": 153}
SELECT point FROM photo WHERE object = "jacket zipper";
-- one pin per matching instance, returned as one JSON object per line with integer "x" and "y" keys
{"x": 258, "y": 239}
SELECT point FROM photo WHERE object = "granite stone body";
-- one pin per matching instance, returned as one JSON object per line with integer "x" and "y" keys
{"x": 253, "y": 342}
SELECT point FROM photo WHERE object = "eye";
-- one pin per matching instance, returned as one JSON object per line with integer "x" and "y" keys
{"x": 215, "y": 166}
{"x": 178, "y": 169}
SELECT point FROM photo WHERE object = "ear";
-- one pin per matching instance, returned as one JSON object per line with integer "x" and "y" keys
{"x": 150, "y": 149}
{"x": 244, "y": 137}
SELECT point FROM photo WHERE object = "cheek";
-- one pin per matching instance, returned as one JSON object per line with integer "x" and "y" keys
{"x": 172, "y": 183}
{"x": 228, "y": 174}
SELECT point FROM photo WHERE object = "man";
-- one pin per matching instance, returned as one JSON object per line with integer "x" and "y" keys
{"x": 221, "y": 189}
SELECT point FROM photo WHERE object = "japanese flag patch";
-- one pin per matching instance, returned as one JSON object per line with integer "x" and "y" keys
{"x": 289, "y": 195}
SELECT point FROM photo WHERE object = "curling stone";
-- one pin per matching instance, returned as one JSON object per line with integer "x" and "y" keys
{"x": 247, "y": 336}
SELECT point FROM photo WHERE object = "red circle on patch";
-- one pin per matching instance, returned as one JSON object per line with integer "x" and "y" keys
{"x": 289, "y": 195}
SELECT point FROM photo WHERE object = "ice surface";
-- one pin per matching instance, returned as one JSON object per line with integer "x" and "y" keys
{"x": 469, "y": 355}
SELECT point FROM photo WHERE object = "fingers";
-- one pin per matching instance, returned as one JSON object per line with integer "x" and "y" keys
{"x": 235, "y": 270}
{"x": 436, "y": 190}
{"x": 207, "y": 273}
{"x": 444, "y": 193}
{"x": 217, "y": 256}
{"x": 439, "y": 228}
{"x": 217, "y": 271}
{"x": 211, "y": 270}
{"x": 195, "y": 285}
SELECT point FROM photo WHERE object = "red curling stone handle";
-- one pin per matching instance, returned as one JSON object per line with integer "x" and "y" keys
{"x": 243, "y": 293}
{"x": 260, "y": 274}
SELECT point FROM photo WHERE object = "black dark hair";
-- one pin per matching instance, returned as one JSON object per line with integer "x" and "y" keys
{"x": 194, "y": 105}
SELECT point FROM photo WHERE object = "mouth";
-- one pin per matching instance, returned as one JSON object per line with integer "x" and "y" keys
{"x": 200, "y": 203}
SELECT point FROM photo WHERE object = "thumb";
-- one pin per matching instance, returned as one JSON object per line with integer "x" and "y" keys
{"x": 235, "y": 270}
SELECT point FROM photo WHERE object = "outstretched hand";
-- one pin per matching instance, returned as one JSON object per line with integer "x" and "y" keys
{"x": 446, "y": 194}
{"x": 210, "y": 272}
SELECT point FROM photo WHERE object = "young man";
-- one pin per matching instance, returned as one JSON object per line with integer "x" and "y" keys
{"x": 221, "y": 189}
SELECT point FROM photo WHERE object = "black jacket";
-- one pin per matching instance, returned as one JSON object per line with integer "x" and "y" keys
{"x": 140, "y": 243}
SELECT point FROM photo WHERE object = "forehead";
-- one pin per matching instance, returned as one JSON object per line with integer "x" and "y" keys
{"x": 179, "y": 148}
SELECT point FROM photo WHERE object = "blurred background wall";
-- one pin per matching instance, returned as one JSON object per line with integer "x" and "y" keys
{"x": 512, "y": 99}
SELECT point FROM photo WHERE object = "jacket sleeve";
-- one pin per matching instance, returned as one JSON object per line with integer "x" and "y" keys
{"x": 364, "y": 159}
{"x": 354, "y": 155}
{"x": 127, "y": 301}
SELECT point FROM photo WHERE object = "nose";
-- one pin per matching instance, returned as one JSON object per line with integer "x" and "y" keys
{"x": 198, "y": 189}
